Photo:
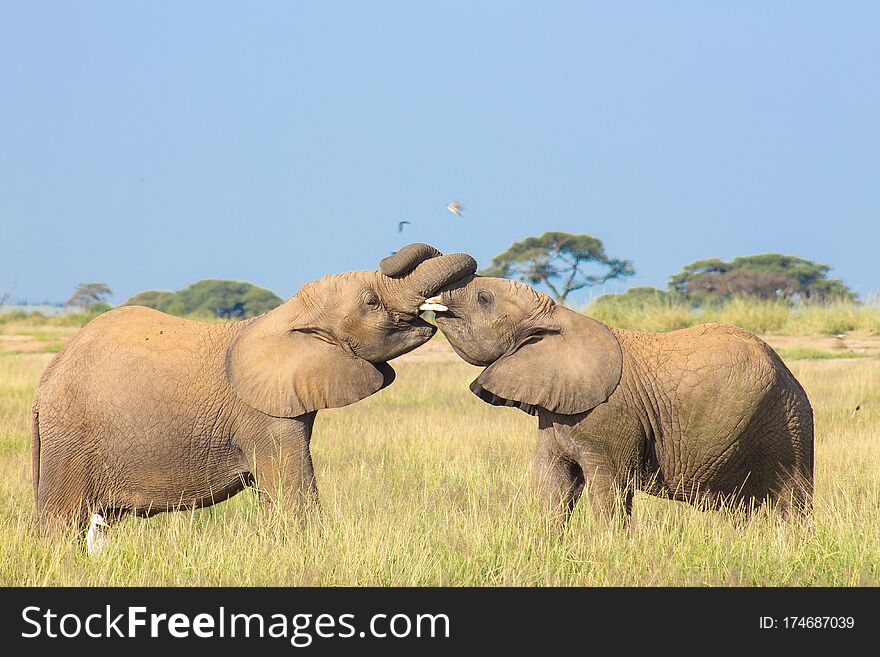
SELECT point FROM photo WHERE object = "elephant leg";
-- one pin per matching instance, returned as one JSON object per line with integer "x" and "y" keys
{"x": 281, "y": 464}
{"x": 611, "y": 497}
{"x": 63, "y": 500}
{"x": 59, "y": 521}
{"x": 794, "y": 499}
{"x": 557, "y": 480}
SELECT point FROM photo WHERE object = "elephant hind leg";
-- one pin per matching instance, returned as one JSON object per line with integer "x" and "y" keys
{"x": 794, "y": 498}
{"x": 791, "y": 498}
{"x": 63, "y": 501}
{"x": 57, "y": 515}
{"x": 790, "y": 451}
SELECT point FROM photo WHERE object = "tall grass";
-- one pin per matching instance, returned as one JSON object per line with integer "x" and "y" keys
{"x": 765, "y": 317}
{"x": 18, "y": 318}
{"x": 423, "y": 484}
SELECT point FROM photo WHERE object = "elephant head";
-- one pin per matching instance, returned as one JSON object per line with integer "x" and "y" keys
{"x": 536, "y": 353}
{"x": 328, "y": 345}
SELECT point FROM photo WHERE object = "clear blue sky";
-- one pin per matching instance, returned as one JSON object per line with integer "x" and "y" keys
{"x": 150, "y": 145}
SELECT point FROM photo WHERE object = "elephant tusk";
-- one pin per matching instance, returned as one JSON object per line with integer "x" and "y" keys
{"x": 433, "y": 304}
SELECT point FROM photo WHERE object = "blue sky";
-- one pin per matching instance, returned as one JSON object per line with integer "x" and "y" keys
{"x": 150, "y": 145}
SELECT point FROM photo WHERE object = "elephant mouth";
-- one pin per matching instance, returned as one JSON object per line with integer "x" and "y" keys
{"x": 442, "y": 312}
{"x": 445, "y": 316}
{"x": 416, "y": 322}
{"x": 420, "y": 329}
{"x": 434, "y": 303}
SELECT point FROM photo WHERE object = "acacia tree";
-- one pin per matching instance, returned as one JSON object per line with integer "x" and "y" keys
{"x": 88, "y": 294}
{"x": 563, "y": 262}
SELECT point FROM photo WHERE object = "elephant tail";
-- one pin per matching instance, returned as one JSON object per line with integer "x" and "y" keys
{"x": 35, "y": 446}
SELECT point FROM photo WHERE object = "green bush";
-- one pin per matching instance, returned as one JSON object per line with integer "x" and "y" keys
{"x": 210, "y": 299}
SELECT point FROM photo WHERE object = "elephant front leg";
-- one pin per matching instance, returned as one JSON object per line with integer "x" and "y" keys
{"x": 557, "y": 481}
{"x": 282, "y": 465}
{"x": 610, "y": 495}
{"x": 610, "y": 500}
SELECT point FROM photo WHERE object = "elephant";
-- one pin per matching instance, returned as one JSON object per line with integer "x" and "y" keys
{"x": 143, "y": 412}
{"x": 708, "y": 415}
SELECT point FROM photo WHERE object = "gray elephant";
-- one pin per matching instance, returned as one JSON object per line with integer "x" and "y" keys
{"x": 143, "y": 412}
{"x": 709, "y": 415}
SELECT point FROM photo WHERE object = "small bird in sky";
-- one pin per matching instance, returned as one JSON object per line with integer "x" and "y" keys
{"x": 95, "y": 539}
{"x": 455, "y": 208}
{"x": 400, "y": 225}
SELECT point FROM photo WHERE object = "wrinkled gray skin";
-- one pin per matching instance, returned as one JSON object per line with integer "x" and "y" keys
{"x": 709, "y": 415}
{"x": 143, "y": 412}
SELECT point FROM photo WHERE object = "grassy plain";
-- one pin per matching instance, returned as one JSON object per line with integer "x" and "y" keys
{"x": 761, "y": 317}
{"x": 423, "y": 484}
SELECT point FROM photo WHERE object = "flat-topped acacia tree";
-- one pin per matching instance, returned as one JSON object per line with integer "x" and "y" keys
{"x": 562, "y": 262}
{"x": 88, "y": 295}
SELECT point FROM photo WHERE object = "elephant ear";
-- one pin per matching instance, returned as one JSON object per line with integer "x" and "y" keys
{"x": 570, "y": 368}
{"x": 287, "y": 372}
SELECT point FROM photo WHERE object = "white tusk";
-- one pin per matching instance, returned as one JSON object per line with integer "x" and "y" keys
{"x": 433, "y": 304}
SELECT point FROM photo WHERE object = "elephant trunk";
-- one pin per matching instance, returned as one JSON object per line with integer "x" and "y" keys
{"x": 434, "y": 274}
{"x": 421, "y": 270}
{"x": 407, "y": 259}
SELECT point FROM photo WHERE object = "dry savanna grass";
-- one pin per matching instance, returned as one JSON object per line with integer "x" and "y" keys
{"x": 423, "y": 484}
{"x": 762, "y": 317}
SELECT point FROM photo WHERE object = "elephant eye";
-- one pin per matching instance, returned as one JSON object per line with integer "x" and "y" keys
{"x": 371, "y": 299}
{"x": 484, "y": 297}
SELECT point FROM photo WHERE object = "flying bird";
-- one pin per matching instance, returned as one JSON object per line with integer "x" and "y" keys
{"x": 455, "y": 208}
{"x": 400, "y": 225}
{"x": 95, "y": 539}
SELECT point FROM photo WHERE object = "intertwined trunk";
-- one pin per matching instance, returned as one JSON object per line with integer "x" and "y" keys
{"x": 419, "y": 270}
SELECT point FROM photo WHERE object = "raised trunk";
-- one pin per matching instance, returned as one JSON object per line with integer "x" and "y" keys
{"x": 434, "y": 274}
{"x": 418, "y": 271}
{"x": 407, "y": 259}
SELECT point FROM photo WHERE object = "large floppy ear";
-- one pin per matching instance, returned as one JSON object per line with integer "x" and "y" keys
{"x": 571, "y": 367}
{"x": 286, "y": 372}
